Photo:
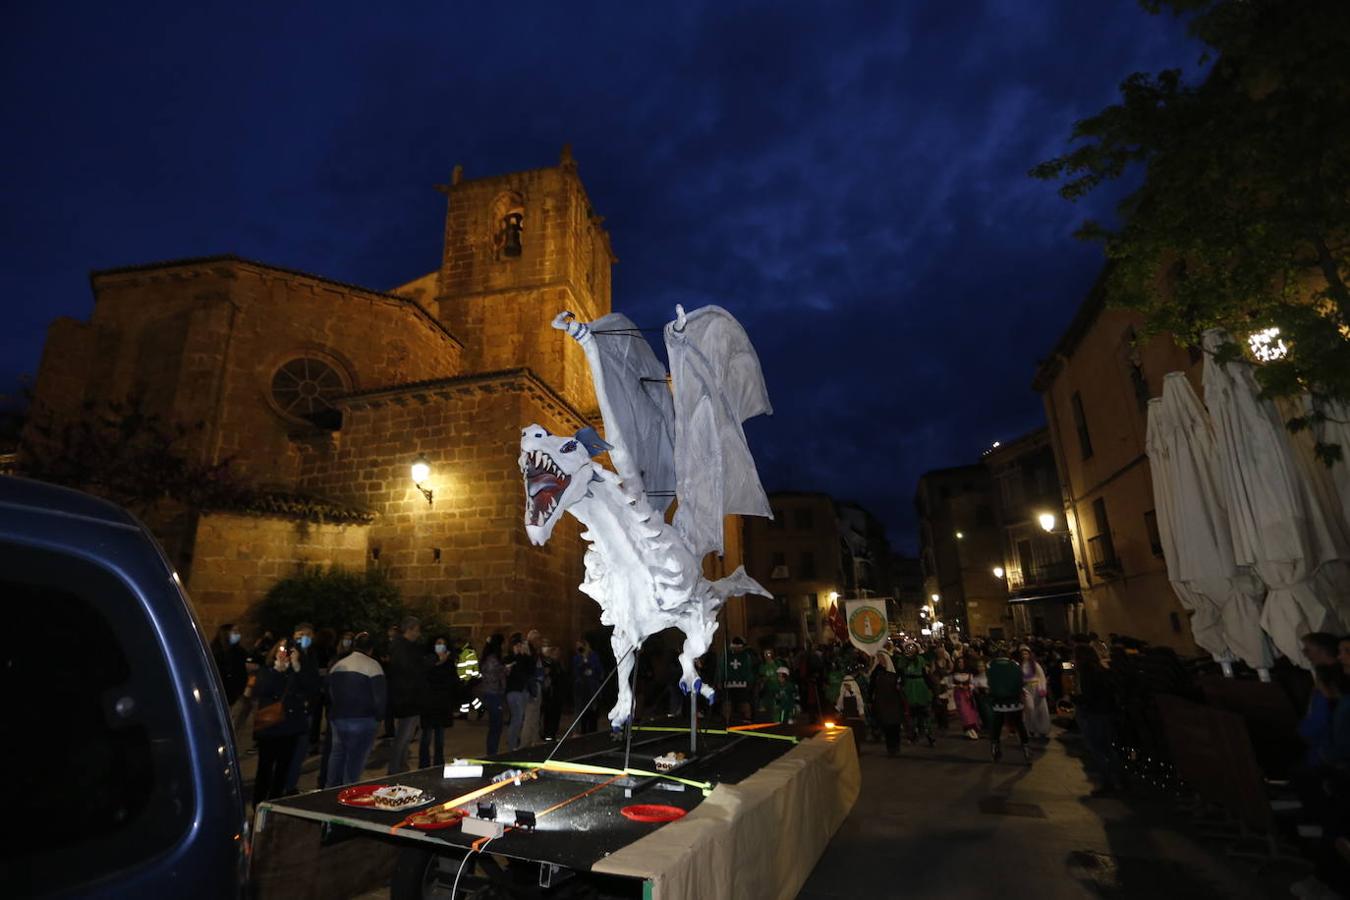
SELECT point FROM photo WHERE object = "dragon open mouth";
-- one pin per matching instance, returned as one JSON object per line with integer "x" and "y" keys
{"x": 544, "y": 486}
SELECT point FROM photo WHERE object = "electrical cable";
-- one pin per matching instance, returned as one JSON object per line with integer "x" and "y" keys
{"x": 454, "y": 889}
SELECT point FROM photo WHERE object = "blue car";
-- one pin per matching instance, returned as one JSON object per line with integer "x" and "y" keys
{"x": 119, "y": 766}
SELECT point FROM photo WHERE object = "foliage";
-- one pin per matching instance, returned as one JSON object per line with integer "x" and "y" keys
{"x": 121, "y": 451}
{"x": 340, "y": 599}
{"x": 1243, "y": 218}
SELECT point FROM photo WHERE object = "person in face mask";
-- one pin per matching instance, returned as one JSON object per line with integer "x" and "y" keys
{"x": 439, "y": 703}
{"x": 344, "y": 644}
{"x": 230, "y": 661}
{"x": 309, "y": 684}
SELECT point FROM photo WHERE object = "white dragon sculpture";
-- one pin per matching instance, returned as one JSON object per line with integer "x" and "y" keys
{"x": 680, "y": 434}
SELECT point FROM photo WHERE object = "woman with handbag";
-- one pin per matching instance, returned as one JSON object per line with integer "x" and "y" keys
{"x": 279, "y": 720}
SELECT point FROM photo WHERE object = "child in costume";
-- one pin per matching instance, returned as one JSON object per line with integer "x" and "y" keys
{"x": 768, "y": 678}
{"x": 784, "y": 697}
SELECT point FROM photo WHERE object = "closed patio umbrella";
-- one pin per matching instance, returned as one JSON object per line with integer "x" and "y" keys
{"x": 1278, "y": 527}
{"x": 1194, "y": 529}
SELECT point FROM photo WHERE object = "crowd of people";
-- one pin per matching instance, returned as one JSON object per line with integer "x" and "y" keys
{"x": 330, "y": 693}
{"x": 912, "y": 687}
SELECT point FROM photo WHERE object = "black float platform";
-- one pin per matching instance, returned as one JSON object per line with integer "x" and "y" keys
{"x": 584, "y": 831}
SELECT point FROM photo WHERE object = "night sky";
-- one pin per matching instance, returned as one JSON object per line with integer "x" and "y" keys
{"x": 848, "y": 179}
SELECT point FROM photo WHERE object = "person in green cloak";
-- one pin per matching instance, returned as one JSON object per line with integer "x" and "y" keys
{"x": 913, "y": 672}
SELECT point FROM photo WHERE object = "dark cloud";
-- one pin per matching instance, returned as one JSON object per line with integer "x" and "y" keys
{"x": 849, "y": 179}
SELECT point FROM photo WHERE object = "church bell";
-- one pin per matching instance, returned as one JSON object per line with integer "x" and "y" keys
{"x": 511, "y": 228}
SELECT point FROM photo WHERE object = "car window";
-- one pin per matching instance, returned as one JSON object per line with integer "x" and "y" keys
{"x": 97, "y": 764}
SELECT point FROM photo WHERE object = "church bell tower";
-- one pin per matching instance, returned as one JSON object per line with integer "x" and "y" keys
{"x": 519, "y": 249}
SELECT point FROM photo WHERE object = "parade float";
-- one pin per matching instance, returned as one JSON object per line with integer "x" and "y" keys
{"x": 665, "y": 808}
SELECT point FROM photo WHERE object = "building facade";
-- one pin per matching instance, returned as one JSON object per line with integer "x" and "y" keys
{"x": 1096, "y": 386}
{"x": 907, "y": 582}
{"x": 960, "y": 545}
{"x": 328, "y": 391}
{"x": 797, "y": 556}
{"x": 1038, "y": 564}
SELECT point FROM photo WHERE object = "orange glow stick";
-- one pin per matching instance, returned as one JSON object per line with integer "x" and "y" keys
{"x": 473, "y": 795}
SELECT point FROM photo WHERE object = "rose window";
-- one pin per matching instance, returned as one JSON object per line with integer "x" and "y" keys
{"x": 306, "y": 387}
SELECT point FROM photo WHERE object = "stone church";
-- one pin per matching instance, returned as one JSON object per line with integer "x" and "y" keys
{"x": 319, "y": 389}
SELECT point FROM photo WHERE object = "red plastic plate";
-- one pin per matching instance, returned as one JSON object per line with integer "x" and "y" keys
{"x": 417, "y": 820}
{"x": 359, "y": 795}
{"x": 652, "y": 812}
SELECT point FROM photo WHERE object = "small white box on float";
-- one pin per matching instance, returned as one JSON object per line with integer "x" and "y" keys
{"x": 481, "y": 827}
{"x": 460, "y": 769}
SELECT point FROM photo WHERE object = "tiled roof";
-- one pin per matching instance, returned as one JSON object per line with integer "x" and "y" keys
{"x": 294, "y": 505}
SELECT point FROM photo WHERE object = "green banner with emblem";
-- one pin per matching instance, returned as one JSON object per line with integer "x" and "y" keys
{"x": 867, "y": 625}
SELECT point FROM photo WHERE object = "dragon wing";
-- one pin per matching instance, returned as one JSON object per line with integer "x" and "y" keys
{"x": 717, "y": 384}
{"x": 635, "y": 403}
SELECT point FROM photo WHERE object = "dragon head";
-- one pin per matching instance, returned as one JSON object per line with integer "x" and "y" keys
{"x": 557, "y": 472}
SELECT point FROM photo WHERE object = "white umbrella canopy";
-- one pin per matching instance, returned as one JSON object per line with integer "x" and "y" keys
{"x": 1194, "y": 529}
{"x": 1329, "y": 487}
{"x": 1278, "y": 528}
{"x": 1335, "y": 429}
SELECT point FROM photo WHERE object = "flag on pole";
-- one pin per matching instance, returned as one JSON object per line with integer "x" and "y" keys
{"x": 835, "y": 620}
{"x": 867, "y": 627}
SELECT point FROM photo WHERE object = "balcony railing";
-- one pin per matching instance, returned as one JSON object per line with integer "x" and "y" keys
{"x": 1102, "y": 554}
{"x": 1042, "y": 576}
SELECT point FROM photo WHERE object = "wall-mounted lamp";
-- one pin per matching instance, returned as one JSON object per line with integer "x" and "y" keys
{"x": 421, "y": 471}
{"x": 1047, "y": 521}
{"x": 998, "y": 571}
{"x": 936, "y": 597}
{"x": 960, "y": 535}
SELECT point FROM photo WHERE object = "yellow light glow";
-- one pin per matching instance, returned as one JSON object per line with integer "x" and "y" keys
{"x": 421, "y": 470}
{"x": 998, "y": 571}
{"x": 1047, "y": 521}
{"x": 960, "y": 535}
{"x": 834, "y": 595}
{"x": 829, "y": 724}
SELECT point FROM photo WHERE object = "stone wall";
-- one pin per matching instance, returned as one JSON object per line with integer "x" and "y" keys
{"x": 466, "y": 551}
{"x": 237, "y": 558}
{"x": 200, "y": 340}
